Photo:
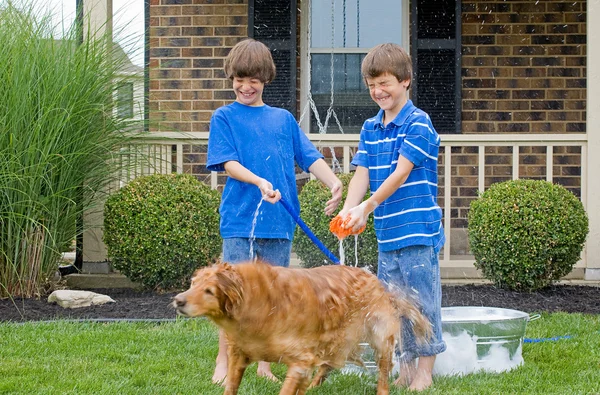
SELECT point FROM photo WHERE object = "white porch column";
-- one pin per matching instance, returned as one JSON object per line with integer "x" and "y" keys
{"x": 593, "y": 134}
{"x": 97, "y": 17}
{"x": 97, "y": 21}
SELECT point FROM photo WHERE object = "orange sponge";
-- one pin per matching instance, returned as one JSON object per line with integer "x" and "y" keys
{"x": 335, "y": 227}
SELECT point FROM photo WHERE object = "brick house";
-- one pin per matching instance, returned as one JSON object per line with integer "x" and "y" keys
{"x": 505, "y": 82}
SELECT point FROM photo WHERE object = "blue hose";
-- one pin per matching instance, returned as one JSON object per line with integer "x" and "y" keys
{"x": 546, "y": 339}
{"x": 308, "y": 232}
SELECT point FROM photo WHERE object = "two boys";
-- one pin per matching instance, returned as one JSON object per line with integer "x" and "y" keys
{"x": 258, "y": 147}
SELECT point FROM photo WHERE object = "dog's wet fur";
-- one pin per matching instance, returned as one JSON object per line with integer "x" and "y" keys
{"x": 304, "y": 318}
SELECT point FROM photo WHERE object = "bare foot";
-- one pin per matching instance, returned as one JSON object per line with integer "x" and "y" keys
{"x": 422, "y": 377}
{"x": 407, "y": 372}
{"x": 264, "y": 370}
{"x": 220, "y": 373}
{"x": 421, "y": 382}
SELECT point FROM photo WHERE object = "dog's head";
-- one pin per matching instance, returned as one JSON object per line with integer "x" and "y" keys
{"x": 215, "y": 292}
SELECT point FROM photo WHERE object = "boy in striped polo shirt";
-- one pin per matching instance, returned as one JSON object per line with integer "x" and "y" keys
{"x": 397, "y": 158}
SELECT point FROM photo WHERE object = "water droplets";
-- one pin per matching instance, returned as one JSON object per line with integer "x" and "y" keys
{"x": 254, "y": 220}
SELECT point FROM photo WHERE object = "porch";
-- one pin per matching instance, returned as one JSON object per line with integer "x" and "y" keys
{"x": 467, "y": 164}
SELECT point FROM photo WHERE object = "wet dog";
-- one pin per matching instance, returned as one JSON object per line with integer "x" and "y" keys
{"x": 304, "y": 318}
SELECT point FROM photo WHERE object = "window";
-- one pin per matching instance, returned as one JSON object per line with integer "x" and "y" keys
{"x": 335, "y": 36}
{"x": 340, "y": 33}
{"x": 125, "y": 100}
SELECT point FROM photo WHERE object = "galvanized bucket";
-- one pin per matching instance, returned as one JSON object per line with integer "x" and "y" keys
{"x": 495, "y": 335}
{"x": 490, "y": 332}
{"x": 367, "y": 354}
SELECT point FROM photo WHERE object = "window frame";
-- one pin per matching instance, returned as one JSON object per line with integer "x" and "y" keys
{"x": 305, "y": 50}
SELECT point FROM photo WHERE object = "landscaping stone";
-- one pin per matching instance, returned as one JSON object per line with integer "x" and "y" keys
{"x": 76, "y": 299}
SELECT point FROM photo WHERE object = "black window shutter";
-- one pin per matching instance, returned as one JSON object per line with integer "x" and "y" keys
{"x": 435, "y": 50}
{"x": 273, "y": 22}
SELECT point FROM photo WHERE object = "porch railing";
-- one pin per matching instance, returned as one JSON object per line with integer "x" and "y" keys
{"x": 468, "y": 164}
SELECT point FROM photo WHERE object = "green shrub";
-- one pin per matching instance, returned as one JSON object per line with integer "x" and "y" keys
{"x": 313, "y": 197}
{"x": 158, "y": 229}
{"x": 525, "y": 234}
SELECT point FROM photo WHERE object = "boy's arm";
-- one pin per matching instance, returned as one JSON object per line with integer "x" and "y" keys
{"x": 357, "y": 188}
{"x": 360, "y": 213}
{"x": 321, "y": 170}
{"x": 235, "y": 169}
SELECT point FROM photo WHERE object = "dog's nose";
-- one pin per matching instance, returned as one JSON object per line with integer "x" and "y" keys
{"x": 180, "y": 301}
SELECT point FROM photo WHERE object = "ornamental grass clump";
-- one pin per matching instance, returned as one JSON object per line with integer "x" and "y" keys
{"x": 526, "y": 234}
{"x": 313, "y": 198}
{"x": 59, "y": 138}
{"x": 160, "y": 228}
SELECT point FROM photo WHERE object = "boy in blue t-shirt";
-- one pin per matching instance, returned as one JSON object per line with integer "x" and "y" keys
{"x": 397, "y": 158}
{"x": 258, "y": 146}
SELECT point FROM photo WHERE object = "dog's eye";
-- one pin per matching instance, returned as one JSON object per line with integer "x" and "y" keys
{"x": 209, "y": 291}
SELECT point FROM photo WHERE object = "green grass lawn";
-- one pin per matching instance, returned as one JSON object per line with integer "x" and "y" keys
{"x": 178, "y": 358}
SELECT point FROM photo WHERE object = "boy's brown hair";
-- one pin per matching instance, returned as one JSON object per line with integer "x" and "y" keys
{"x": 250, "y": 58}
{"x": 387, "y": 58}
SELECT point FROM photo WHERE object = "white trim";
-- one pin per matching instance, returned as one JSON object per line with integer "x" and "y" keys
{"x": 592, "y": 151}
{"x": 406, "y": 23}
{"x": 304, "y": 65}
{"x": 487, "y": 140}
{"x": 537, "y": 139}
{"x": 447, "y": 202}
{"x": 341, "y": 50}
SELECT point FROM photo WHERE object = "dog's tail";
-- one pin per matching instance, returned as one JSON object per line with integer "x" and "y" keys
{"x": 407, "y": 307}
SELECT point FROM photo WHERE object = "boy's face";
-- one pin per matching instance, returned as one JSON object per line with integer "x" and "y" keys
{"x": 248, "y": 91}
{"x": 389, "y": 93}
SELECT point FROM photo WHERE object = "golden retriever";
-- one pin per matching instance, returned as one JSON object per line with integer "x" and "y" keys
{"x": 304, "y": 318}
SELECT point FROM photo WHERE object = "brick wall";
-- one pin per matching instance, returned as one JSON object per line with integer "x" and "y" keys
{"x": 523, "y": 66}
{"x": 189, "y": 40}
{"x": 523, "y": 71}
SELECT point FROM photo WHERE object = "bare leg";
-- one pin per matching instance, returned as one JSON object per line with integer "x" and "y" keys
{"x": 422, "y": 379}
{"x": 220, "y": 374}
{"x": 407, "y": 372}
{"x": 264, "y": 370}
{"x": 221, "y": 368}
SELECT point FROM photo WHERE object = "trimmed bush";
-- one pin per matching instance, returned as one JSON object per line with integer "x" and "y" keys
{"x": 158, "y": 229}
{"x": 525, "y": 234}
{"x": 313, "y": 198}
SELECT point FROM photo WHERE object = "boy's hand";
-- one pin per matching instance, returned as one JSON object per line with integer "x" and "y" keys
{"x": 359, "y": 215}
{"x": 336, "y": 197}
{"x": 268, "y": 194}
{"x": 336, "y": 226}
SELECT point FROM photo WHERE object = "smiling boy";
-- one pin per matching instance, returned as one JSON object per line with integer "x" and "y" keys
{"x": 259, "y": 146}
{"x": 397, "y": 158}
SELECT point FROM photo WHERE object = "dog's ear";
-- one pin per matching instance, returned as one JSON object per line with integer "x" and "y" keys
{"x": 230, "y": 284}
{"x": 217, "y": 262}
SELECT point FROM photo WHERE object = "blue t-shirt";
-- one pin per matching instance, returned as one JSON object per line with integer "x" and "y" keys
{"x": 411, "y": 215}
{"x": 268, "y": 142}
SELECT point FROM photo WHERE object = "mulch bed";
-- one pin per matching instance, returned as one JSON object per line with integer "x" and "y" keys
{"x": 131, "y": 304}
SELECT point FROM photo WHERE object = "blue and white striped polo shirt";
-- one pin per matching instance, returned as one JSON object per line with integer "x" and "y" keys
{"x": 410, "y": 216}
